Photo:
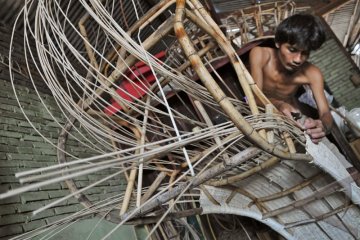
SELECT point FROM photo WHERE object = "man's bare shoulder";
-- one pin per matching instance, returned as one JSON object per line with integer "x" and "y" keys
{"x": 261, "y": 55}
{"x": 263, "y": 51}
{"x": 313, "y": 73}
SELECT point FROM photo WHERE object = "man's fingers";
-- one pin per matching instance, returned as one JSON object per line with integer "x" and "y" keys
{"x": 316, "y": 134}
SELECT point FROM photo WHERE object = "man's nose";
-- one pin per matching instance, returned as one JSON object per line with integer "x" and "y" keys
{"x": 297, "y": 59}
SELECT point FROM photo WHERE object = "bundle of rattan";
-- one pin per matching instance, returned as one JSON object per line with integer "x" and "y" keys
{"x": 153, "y": 107}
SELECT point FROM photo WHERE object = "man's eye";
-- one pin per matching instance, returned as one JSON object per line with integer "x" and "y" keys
{"x": 292, "y": 49}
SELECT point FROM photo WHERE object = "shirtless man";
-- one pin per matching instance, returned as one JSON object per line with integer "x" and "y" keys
{"x": 280, "y": 72}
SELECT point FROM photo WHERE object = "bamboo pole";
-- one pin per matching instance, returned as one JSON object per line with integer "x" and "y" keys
{"x": 240, "y": 69}
{"x": 218, "y": 94}
{"x": 226, "y": 47}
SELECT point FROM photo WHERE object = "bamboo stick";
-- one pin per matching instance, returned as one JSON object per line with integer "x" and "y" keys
{"x": 141, "y": 165}
{"x": 325, "y": 191}
{"x": 154, "y": 186}
{"x": 235, "y": 190}
{"x": 318, "y": 218}
{"x": 60, "y": 150}
{"x": 289, "y": 190}
{"x": 264, "y": 165}
{"x": 129, "y": 189}
{"x": 126, "y": 174}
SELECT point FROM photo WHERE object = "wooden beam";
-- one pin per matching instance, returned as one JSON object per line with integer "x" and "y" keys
{"x": 330, "y": 7}
{"x": 355, "y": 32}
{"x": 341, "y": 47}
{"x": 351, "y": 25}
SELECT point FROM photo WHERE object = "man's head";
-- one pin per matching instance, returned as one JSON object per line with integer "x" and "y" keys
{"x": 296, "y": 36}
{"x": 303, "y": 30}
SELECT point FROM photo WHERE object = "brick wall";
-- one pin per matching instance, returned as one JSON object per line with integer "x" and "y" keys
{"x": 337, "y": 70}
{"x": 21, "y": 148}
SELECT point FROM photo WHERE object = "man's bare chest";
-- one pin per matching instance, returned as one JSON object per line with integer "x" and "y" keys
{"x": 280, "y": 85}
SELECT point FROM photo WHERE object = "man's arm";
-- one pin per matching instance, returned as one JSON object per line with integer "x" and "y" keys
{"x": 317, "y": 87}
{"x": 257, "y": 61}
{"x": 318, "y": 128}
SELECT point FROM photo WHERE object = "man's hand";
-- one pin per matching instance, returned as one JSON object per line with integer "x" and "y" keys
{"x": 315, "y": 129}
{"x": 287, "y": 109}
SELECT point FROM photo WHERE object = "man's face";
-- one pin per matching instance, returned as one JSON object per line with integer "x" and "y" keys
{"x": 291, "y": 57}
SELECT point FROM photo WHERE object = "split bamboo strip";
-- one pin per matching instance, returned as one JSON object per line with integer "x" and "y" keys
{"x": 290, "y": 190}
{"x": 269, "y": 109}
{"x": 141, "y": 165}
{"x": 319, "y": 194}
{"x": 318, "y": 218}
{"x": 236, "y": 190}
{"x": 94, "y": 63}
{"x": 153, "y": 187}
{"x": 186, "y": 64}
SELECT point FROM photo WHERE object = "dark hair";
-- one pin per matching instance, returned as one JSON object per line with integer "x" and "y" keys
{"x": 303, "y": 30}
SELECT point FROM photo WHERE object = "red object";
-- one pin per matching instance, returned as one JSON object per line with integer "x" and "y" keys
{"x": 134, "y": 86}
